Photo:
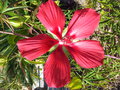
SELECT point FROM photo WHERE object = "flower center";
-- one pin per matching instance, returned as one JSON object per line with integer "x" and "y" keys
{"x": 65, "y": 41}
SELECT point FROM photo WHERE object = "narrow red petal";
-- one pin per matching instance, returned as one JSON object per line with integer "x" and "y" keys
{"x": 83, "y": 23}
{"x": 57, "y": 69}
{"x": 87, "y": 53}
{"x": 34, "y": 47}
{"x": 52, "y": 17}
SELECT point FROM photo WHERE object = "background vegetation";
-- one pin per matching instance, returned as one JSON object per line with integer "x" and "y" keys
{"x": 18, "y": 20}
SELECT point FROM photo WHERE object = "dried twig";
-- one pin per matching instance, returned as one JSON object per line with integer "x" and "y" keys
{"x": 112, "y": 57}
{"x": 32, "y": 28}
{"x": 14, "y": 34}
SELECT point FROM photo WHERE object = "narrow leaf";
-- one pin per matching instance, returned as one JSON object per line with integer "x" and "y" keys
{"x": 14, "y": 8}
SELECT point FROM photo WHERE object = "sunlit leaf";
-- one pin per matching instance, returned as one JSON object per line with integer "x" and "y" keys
{"x": 39, "y": 61}
{"x": 75, "y": 84}
{"x": 2, "y": 61}
{"x": 57, "y": 2}
{"x": 16, "y": 21}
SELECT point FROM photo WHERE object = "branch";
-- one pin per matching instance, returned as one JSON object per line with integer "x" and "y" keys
{"x": 10, "y": 33}
{"x": 32, "y": 28}
{"x": 112, "y": 57}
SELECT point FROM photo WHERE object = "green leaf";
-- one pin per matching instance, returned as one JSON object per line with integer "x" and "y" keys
{"x": 4, "y": 5}
{"x": 75, "y": 84}
{"x": 119, "y": 50}
{"x": 53, "y": 48}
{"x": 90, "y": 74}
{"x": 40, "y": 61}
{"x": 95, "y": 79}
{"x": 1, "y": 6}
{"x": 27, "y": 17}
{"x": 34, "y": 2}
{"x": 8, "y": 50}
{"x": 64, "y": 31}
{"x": 57, "y": 2}
{"x": 2, "y": 61}
{"x": 14, "y": 8}
{"x": 11, "y": 39}
{"x": 118, "y": 47}
{"x": 10, "y": 13}
{"x": 16, "y": 21}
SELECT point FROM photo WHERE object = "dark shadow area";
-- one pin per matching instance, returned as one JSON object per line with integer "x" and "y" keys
{"x": 39, "y": 88}
{"x": 68, "y": 4}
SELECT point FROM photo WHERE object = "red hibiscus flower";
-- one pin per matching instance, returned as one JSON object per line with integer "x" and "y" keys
{"x": 87, "y": 53}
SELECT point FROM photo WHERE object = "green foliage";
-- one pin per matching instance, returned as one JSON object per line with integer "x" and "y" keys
{"x": 75, "y": 84}
{"x": 17, "y": 71}
{"x": 108, "y": 33}
{"x": 19, "y": 16}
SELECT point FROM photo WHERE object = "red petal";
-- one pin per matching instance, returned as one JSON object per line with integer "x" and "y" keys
{"x": 83, "y": 23}
{"x": 52, "y": 17}
{"x": 87, "y": 53}
{"x": 57, "y": 69}
{"x": 34, "y": 47}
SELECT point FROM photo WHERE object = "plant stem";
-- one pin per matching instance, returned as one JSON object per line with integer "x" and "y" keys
{"x": 32, "y": 28}
{"x": 5, "y": 21}
{"x": 112, "y": 57}
{"x": 14, "y": 34}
